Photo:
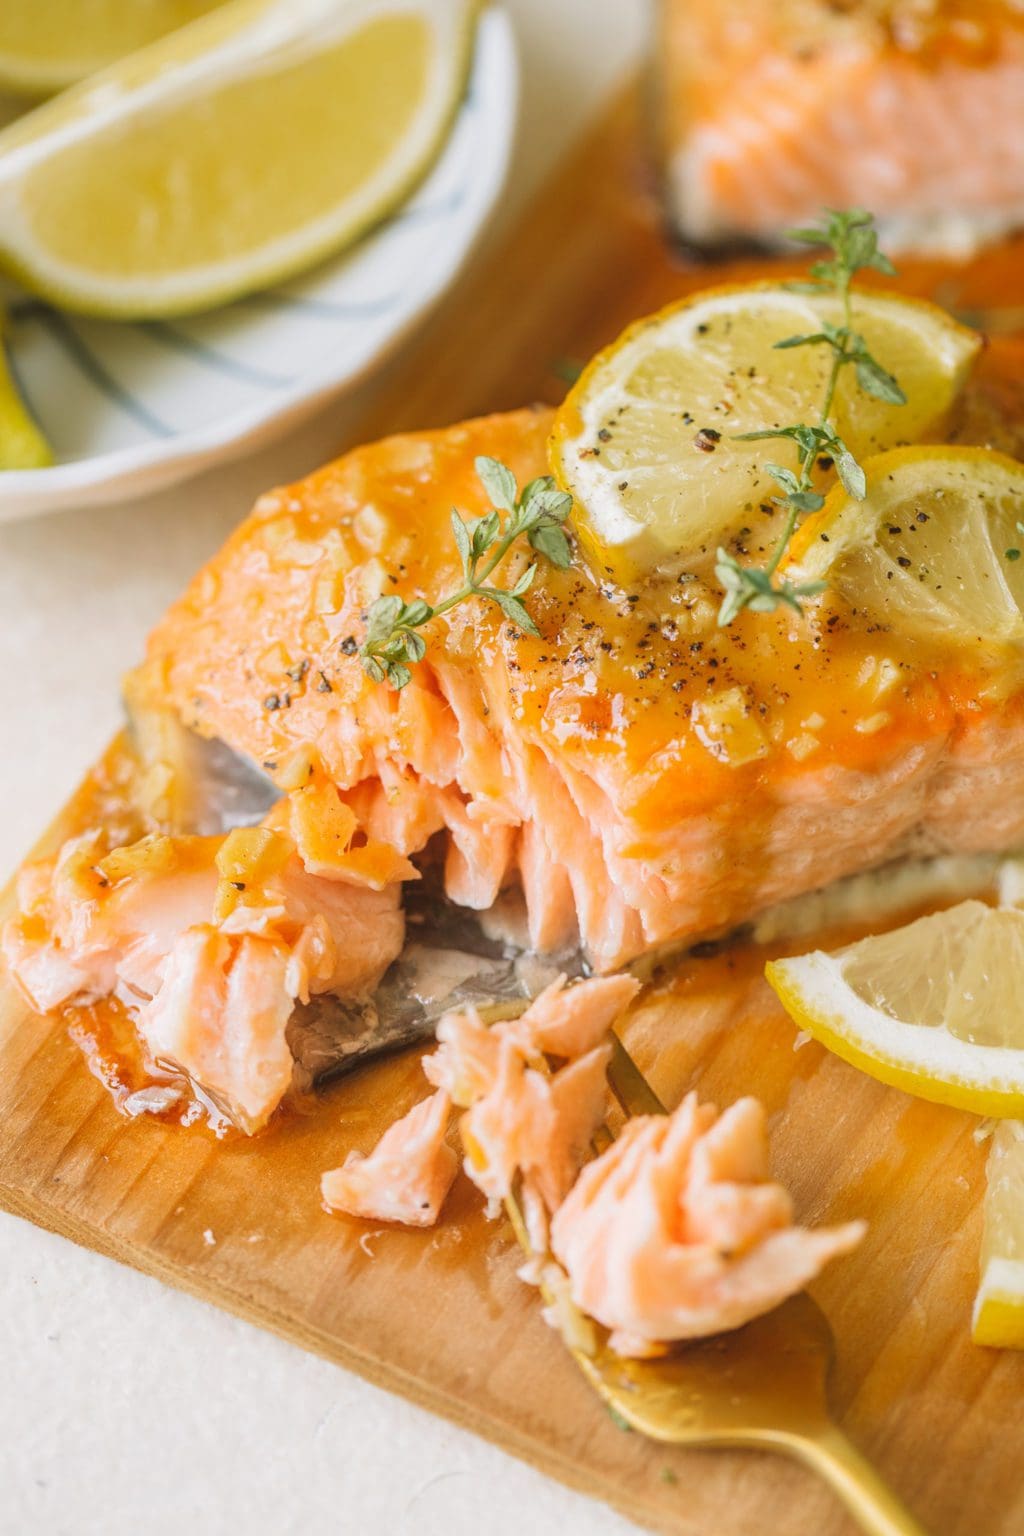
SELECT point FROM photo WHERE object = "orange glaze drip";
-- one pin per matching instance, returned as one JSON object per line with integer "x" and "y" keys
{"x": 107, "y": 1038}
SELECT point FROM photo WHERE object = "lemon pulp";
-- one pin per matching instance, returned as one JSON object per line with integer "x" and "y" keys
{"x": 934, "y": 548}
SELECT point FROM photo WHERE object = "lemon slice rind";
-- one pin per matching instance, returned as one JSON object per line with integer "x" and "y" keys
{"x": 919, "y": 1059}
{"x": 22, "y": 444}
{"x": 998, "y": 1316}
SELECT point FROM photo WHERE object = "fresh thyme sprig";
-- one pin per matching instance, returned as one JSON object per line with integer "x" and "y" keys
{"x": 393, "y": 641}
{"x": 853, "y": 240}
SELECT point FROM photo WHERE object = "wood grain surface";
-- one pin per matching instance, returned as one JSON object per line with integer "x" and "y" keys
{"x": 442, "y": 1317}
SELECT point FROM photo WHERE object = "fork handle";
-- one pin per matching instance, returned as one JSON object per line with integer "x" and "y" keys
{"x": 853, "y": 1479}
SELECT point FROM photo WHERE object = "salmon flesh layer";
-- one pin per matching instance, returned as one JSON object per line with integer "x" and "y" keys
{"x": 633, "y": 777}
{"x": 914, "y": 110}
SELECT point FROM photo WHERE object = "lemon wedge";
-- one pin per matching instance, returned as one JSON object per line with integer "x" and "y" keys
{"x": 934, "y": 548}
{"x": 49, "y": 44}
{"x": 646, "y": 439}
{"x": 932, "y": 1008}
{"x": 233, "y": 152}
{"x": 999, "y": 1305}
{"x": 22, "y": 445}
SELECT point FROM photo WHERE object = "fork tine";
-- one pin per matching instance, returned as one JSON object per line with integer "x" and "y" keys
{"x": 630, "y": 1087}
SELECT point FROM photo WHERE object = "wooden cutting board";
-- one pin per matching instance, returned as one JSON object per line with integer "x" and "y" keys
{"x": 442, "y": 1317}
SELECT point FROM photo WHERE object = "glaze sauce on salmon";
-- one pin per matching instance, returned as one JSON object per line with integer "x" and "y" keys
{"x": 643, "y": 777}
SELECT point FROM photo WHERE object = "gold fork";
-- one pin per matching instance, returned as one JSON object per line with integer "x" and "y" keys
{"x": 764, "y": 1385}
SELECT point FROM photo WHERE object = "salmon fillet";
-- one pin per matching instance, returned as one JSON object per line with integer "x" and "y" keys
{"x": 640, "y": 777}
{"x": 522, "y": 1121}
{"x": 915, "y": 110}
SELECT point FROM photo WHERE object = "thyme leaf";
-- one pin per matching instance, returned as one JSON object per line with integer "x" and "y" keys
{"x": 853, "y": 240}
{"x": 393, "y": 643}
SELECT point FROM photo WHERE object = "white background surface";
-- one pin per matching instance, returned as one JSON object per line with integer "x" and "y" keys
{"x": 125, "y": 1406}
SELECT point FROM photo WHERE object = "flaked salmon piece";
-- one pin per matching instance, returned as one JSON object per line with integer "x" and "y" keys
{"x": 219, "y": 1016}
{"x": 675, "y": 1232}
{"x": 915, "y": 111}
{"x": 522, "y": 1119}
{"x": 209, "y": 942}
{"x": 535, "y": 1124}
{"x": 562, "y": 1021}
{"x": 407, "y": 1175}
{"x": 466, "y": 1061}
{"x": 572, "y": 766}
{"x": 569, "y": 1021}
{"x": 79, "y": 933}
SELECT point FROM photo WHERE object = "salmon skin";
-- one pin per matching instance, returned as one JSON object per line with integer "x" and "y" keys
{"x": 772, "y": 109}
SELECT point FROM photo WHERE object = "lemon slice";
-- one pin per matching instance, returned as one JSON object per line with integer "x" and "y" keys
{"x": 933, "y": 1008}
{"x": 231, "y": 153}
{"x": 999, "y": 1306}
{"x": 22, "y": 445}
{"x": 49, "y": 44}
{"x": 646, "y": 439}
{"x": 934, "y": 548}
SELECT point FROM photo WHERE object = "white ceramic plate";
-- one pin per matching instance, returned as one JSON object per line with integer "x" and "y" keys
{"x": 130, "y": 408}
